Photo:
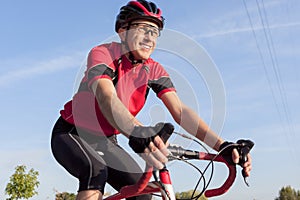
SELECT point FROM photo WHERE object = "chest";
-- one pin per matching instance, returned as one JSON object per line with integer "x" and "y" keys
{"x": 132, "y": 85}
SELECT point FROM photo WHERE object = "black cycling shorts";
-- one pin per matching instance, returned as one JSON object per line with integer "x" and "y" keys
{"x": 94, "y": 160}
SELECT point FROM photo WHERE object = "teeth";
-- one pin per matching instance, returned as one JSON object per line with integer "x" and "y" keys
{"x": 146, "y": 46}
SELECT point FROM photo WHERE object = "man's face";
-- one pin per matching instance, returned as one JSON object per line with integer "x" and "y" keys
{"x": 141, "y": 38}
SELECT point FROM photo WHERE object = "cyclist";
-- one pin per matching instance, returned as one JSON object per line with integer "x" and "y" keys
{"x": 113, "y": 90}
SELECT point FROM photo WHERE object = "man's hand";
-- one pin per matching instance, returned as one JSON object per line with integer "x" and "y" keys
{"x": 246, "y": 165}
{"x": 156, "y": 153}
{"x": 238, "y": 154}
{"x": 149, "y": 143}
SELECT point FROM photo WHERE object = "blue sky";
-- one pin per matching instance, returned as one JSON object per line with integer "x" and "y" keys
{"x": 44, "y": 45}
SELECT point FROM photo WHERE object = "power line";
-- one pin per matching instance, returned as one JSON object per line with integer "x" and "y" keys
{"x": 275, "y": 66}
{"x": 262, "y": 60}
{"x": 286, "y": 117}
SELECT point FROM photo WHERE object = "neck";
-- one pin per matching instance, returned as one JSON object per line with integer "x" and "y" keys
{"x": 130, "y": 56}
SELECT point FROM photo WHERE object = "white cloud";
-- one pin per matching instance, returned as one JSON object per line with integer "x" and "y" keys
{"x": 244, "y": 29}
{"x": 40, "y": 67}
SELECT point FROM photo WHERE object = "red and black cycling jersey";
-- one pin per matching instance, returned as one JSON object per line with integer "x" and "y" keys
{"x": 132, "y": 84}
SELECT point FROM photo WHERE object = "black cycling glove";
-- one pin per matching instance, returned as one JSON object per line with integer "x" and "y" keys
{"x": 225, "y": 150}
{"x": 141, "y": 136}
{"x": 243, "y": 147}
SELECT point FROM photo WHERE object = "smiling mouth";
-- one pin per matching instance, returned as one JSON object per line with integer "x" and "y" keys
{"x": 145, "y": 46}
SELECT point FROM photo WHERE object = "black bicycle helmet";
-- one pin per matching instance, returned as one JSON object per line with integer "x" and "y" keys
{"x": 140, "y": 9}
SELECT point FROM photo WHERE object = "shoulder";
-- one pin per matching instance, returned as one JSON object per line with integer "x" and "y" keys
{"x": 155, "y": 68}
{"x": 104, "y": 53}
{"x": 150, "y": 61}
{"x": 153, "y": 65}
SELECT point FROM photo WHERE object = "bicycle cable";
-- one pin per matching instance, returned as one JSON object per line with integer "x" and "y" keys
{"x": 161, "y": 185}
{"x": 211, "y": 161}
{"x": 205, "y": 186}
{"x": 184, "y": 160}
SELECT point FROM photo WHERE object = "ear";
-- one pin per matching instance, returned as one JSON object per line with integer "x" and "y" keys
{"x": 122, "y": 33}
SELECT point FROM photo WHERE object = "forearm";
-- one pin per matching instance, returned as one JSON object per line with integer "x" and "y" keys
{"x": 190, "y": 121}
{"x": 112, "y": 108}
{"x": 193, "y": 124}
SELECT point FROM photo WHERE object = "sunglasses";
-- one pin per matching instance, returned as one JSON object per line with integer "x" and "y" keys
{"x": 144, "y": 28}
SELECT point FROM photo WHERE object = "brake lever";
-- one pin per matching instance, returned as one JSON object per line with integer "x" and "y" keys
{"x": 244, "y": 148}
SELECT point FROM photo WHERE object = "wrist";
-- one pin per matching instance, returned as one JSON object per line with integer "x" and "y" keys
{"x": 223, "y": 145}
{"x": 140, "y": 138}
{"x": 218, "y": 145}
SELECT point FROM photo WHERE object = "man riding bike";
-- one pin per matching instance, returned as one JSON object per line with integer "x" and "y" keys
{"x": 113, "y": 90}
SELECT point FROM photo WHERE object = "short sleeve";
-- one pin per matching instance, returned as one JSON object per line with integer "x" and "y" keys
{"x": 99, "y": 64}
{"x": 160, "y": 81}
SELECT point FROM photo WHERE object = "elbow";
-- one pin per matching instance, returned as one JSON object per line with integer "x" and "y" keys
{"x": 177, "y": 118}
{"x": 178, "y": 114}
{"x": 103, "y": 91}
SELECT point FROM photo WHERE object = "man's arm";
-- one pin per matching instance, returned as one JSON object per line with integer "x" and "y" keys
{"x": 193, "y": 124}
{"x": 190, "y": 121}
{"x": 112, "y": 107}
{"x": 120, "y": 118}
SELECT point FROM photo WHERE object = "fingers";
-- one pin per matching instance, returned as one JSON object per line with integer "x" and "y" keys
{"x": 235, "y": 156}
{"x": 156, "y": 153}
{"x": 154, "y": 158}
{"x": 158, "y": 142}
{"x": 247, "y": 165}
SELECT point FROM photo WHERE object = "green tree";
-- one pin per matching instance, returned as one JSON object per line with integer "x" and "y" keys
{"x": 188, "y": 194}
{"x": 65, "y": 196}
{"x": 288, "y": 193}
{"x": 22, "y": 184}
